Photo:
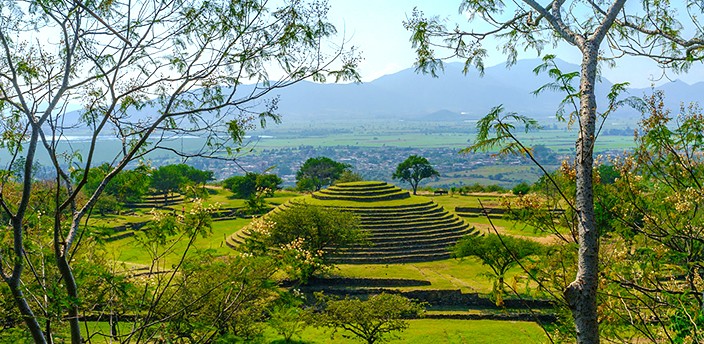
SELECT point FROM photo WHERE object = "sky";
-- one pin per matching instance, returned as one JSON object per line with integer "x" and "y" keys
{"x": 376, "y": 28}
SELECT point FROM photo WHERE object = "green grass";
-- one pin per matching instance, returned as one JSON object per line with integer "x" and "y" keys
{"x": 420, "y": 331}
{"x": 468, "y": 275}
{"x": 440, "y": 331}
{"x": 471, "y": 200}
{"x": 128, "y": 250}
{"x": 481, "y": 222}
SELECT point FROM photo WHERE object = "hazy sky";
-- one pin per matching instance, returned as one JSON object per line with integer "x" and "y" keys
{"x": 375, "y": 26}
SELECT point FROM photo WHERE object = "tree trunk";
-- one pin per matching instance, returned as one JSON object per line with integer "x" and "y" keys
{"x": 29, "y": 318}
{"x": 13, "y": 282}
{"x": 72, "y": 292}
{"x": 581, "y": 293}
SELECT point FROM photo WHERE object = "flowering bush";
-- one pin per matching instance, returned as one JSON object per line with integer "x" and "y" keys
{"x": 301, "y": 263}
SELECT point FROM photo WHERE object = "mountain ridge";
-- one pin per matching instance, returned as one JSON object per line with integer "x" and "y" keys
{"x": 407, "y": 95}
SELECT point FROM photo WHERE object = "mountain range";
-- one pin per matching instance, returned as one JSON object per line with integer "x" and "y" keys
{"x": 452, "y": 96}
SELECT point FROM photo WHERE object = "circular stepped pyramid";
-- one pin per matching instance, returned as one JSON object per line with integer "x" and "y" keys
{"x": 402, "y": 228}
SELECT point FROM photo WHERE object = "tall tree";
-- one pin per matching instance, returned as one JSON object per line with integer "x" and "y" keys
{"x": 318, "y": 172}
{"x": 499, "y": 253}
{"x": 414, "y": 169}
{"x": 246, "y": 186}
{"x": 143, "y": 71}
{"x": 655, "y": 31}
{"x": 168, "y": 179}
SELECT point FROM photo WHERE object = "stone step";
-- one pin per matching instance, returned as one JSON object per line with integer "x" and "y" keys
{"x": 410, "y": 246}
{"x": 364, "y": 185}
{"x": 402, "y": 214}
{"x": 386, "y": 197}
{"x": 335, "y": 188}
{"x": 390, "y": 259}
{"x": 412, "y": 241}
{"x": 360, "y": 193}
{"x": 427, "y": 223}
{"x": 401, "y": 239}
{"x": 414, "y": 229}
{"x": 393, "y": 220}
{"x": 387, "y": 207}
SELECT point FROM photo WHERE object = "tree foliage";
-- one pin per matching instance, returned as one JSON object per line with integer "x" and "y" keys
{"x": 348, "y": 176}
{"x": 303, "y": 236}
{"x": 372, "y": 320}
{"x": 143, "y": 72}
{"x": 654, "y": 30}
{"x": 315, "y": 173}
{"x": 246, "y": 186}
{"x": 655, "y": 263}
{"x": 648, "y": 215}
{"x": 182, "y": 178}
{"x": 232, "y": 293}
{"x": 414, "y": 169}
{"x": 500, "y": 253}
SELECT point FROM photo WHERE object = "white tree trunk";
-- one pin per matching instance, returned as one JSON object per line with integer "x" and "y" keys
{"x": 581, "y": 293}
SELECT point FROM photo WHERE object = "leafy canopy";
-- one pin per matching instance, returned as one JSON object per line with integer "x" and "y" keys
{"x": 315, "y": 173}
{"x": 373, "y": 320}
{"x": 143, "y": 72}
{"x": 247, "y": 186}
{"x": 414, "y": 169}
{"x": 302, "y": 236}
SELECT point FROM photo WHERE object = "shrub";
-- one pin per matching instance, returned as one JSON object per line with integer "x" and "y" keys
{"x": 371, "y": 320}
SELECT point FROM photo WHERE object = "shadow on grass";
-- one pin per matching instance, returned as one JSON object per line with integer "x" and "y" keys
{"x": 367, "y": 282}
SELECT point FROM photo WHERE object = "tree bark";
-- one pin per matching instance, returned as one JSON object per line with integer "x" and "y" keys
{"x": 72, "y": 292}
{"x": 29, "y": 318}
{"x": 13, "y": 281}
{"x": 581, "y": 293}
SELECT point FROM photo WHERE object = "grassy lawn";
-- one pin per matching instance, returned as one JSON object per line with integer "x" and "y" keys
{"x": 438, "y": 331}
{"x": 492, "y": 200}
{"x": 468, "y": 275}
{"x": 420, "y": 331}
{"x": 129, "y": 250}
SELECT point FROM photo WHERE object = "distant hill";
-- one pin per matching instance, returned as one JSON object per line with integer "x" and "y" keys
{"x": 443, "y": 116}
{"x": 412, "y": 96}
{"x": 452, "y": 96}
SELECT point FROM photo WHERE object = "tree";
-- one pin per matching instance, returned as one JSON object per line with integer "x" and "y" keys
{"x": 126, "y": 186}
{"x": 521, "y": 189}
{"x": 142, "y": 72}
{"x": 196, "y": 180}
{"x": 655, "y": 32}
{"x": 269, "y": 183}
{"x": 654, "y": 255}
{"x": 238, "y": 290}
{"x": 246, "y": 186}
{"x": 242, "y": 186}
{"x": 167, "y": 179}
{"x": 371, "y": 320}
{"x": 348, "y": 176}
{"x": 499, "y": 253}
{"x": 413, "y": 170}
{"x": 316, "y": 173}
{"x": 305, "y": 235}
